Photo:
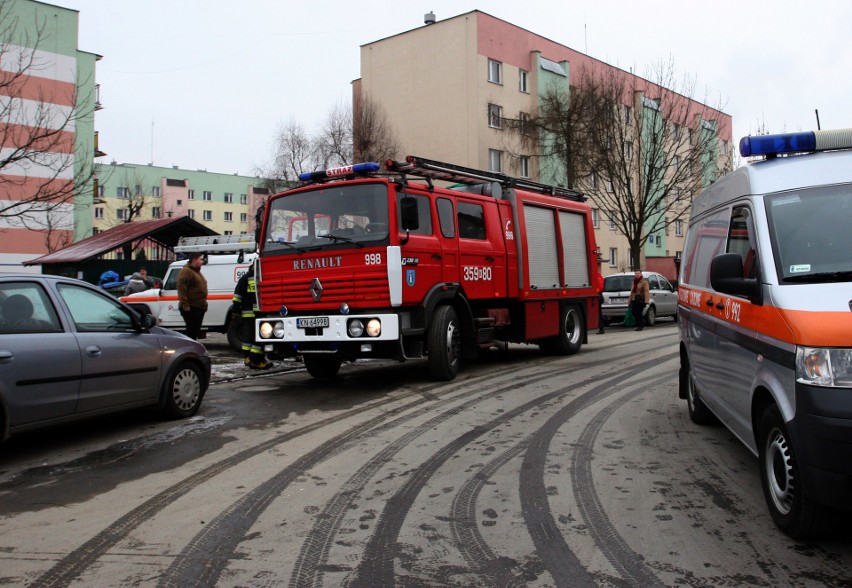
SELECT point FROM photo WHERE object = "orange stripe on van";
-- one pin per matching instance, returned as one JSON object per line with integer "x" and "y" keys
{"x": 798, "y": 327}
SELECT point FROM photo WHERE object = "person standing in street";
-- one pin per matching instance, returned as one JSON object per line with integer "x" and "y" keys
{"x": 600, "y": 288}
{"x": 192, "y": 295}
{"x": 640, "y": 295}
{"x": 245, "y": 306}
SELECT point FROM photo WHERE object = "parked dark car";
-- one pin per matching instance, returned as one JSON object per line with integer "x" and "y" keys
{"x": 69, "y": 350}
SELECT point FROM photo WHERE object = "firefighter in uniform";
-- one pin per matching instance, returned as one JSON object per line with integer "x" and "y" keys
{"x": 245, "y": 306}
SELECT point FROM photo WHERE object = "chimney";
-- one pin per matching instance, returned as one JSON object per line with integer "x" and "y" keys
{"x": 429, "y": 18}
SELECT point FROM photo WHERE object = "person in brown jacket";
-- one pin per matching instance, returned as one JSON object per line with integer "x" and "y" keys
{"x": 192, "y": 295}
{"x": 640, "y": 295}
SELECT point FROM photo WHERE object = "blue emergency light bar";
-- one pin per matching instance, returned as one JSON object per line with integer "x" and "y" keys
{"x": 803, "y": 142}
{"x": 339, "y": 172}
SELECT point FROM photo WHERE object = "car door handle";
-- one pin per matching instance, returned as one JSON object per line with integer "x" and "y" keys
{"x": 93, "y": 350}
{"x": 436, "y": 256}
{"x": 489, "y": 258}
{"x": 6, "y": 355}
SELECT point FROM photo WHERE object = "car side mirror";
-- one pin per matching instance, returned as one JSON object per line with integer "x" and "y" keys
{"x": 726, "y": 276}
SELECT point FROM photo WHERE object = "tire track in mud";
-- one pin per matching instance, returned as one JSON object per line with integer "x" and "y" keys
{"x": 315, "y": 548}
{"x": 377, "y": 564}
{"x": 220, "y": 538}
{"x": 70, "y": 567}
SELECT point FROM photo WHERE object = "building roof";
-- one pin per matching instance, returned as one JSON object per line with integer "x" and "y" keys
{"x": 164, "y": 231}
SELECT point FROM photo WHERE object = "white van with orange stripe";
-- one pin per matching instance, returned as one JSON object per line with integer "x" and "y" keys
{"x": 222, "y": 273}
{"x": 765, "y": 302}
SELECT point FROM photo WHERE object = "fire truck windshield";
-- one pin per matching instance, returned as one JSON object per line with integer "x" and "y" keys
{"x": 329, "y": 216}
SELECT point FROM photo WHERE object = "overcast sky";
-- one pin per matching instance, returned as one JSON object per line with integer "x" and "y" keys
{"x": 204, "y": 84}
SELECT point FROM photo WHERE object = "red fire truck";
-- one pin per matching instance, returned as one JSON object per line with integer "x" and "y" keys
{"x": 371, "y": 261}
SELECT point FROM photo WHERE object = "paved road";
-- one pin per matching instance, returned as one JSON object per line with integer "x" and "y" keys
{"x": 526, "y": 470}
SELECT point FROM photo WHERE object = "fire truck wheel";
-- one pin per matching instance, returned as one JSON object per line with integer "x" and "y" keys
{"x": 322, "y": 367}
{"x": 444, "y": 341}
{"x": 570, "y": 337}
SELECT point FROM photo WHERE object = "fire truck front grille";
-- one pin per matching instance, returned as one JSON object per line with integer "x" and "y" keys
{"x": 360, "y": 290}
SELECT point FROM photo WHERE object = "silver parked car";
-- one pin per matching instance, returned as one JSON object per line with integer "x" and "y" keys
{"x": 69, "y": 350}
{"x": 617, "y": 292}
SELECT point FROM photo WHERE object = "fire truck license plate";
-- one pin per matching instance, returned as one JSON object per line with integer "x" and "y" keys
{"x": 312, "y": 322}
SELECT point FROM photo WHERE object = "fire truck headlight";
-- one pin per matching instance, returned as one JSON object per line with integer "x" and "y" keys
{"x": 374, "y": 327}
{"x": 355, "y": 327}
{"x": 266, "y": 329}
{"x": 278, "y": 330}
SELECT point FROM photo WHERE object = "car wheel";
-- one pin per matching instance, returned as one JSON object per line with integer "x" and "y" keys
{"x": 698, "y": 411}
{"x": 651, "y": 316}
{"x": 183, "y": 391}
{"x": 791, "y": 509}
{"x": 322, "y": 367}
{"x": 444, "y": 342}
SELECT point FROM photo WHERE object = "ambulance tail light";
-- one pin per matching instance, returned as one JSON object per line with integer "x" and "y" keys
{"x": 802, "y": 142}
{"x": 826, "y": 367}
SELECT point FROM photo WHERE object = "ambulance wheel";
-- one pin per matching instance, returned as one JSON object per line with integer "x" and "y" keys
{"x": 444, "y": 341}
{"x": 571, "y": 331}
{"x": 698, "y": 411}
{"x": 322, "y": 367}
{"x": 233, "y": 332}
{"x": 791, "y": 509}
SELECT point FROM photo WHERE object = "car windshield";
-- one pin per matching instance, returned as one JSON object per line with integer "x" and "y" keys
{"x": 330, "y": 216}
{"x": 618, "y": 283}
{"x": 810, "y": 234}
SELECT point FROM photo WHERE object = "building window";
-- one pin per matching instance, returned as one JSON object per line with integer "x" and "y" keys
{"x": 243, "y": 217}
{"x": 523, "y": 80}
{"x": 495, "y": 163}
{"x": 609, "y": 187}
{"x": 495, "y": 116}
{"x": 626, "y": 115}
{"x": 99, "y": 212}
{"x": 190, "y": 213}
{"x": 122, "y": 192}
{"x": 228, "y": 233}
{"x": 611, "y": 216}
{"x": 155, "y": 212}
{"x": 628, "y": 150}
{"x": 524, "y": 165}
{"x": 155, "y": 191}
{"x": 229, "y": 198}
{"x": 101, "y": 192}
{"x": 208, "y": 195}
{"x": 121, "y": 214}
{"x": 180, "y": 202}
{"x": 594, "y": 181}
{"x": 138, "y": 190}
{"x": 678, "y": 228}
{"x": 596, "y": 217}
{"x": 495, "y": 72}
{"x": 613, "y": 257}
{"x": 190, "y": 194}
{"x": 243, "y": 199}
{"x": 207, "y": 215}
{"x": 229, "y": 217}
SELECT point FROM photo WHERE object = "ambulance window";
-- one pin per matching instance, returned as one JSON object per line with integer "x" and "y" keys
{"x": 706, "y": 240}
{"x": 446, "y": 217}
{"x": 471, "y": 221}
{"x": 424, "y": 213}
{"x": 741, "y": 240}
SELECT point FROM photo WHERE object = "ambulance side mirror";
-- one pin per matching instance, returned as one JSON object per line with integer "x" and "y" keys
{"x": 726, "y": 276}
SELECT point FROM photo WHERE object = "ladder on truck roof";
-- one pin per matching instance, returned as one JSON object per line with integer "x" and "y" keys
{"x": 242, "y": 243}
{"x": 447, "y": 172}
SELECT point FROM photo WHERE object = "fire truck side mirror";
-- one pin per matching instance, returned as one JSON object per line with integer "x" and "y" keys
{"x": 408, "y": 213}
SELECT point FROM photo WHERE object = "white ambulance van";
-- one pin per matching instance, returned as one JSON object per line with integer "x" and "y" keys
{"x": 226, "y": 259}
{"x": 765, "y": 302}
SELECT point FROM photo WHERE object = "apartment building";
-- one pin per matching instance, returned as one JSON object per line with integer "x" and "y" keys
{"x": 449, "y": 86}
{"x": 48, "y": 99}
{"x": 225, "y": 203}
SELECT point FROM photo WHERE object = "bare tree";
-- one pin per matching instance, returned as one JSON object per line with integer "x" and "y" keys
{"x": 373, "y": 135}
{"x": 640, "y": 148}
{"x": 294, "y": 153}
{"x": 41, "y": 169}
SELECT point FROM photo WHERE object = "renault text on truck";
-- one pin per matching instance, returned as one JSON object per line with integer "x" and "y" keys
{"x": 765, "y": 303}
{"x": 371, "y": 262}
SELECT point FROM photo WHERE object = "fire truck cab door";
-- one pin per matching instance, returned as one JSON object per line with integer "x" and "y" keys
{"x": 482, "y": 252}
